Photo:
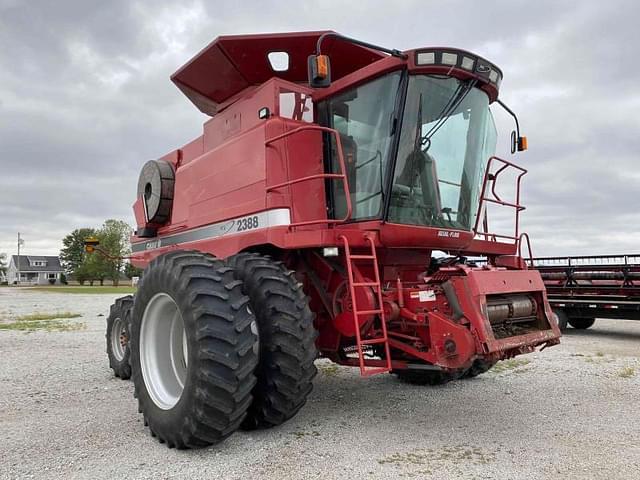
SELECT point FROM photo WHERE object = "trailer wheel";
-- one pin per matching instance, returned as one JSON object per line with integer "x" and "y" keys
{"x": 478, "y": 368}
{"x": 287, "y": 339}
{"x": 562, "y": 317}
{"x": 193, "y": 350}
{"x": 118, "y": 336}
{"x": 581, "y": 323}
{"x": 427, "y": 377}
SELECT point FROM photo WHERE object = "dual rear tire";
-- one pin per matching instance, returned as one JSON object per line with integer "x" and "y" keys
{"x": 287, "y": 340}
{"x": 118, "y": 334}
{"x": 193, "y": 350}
{"x": 219, "y": 345}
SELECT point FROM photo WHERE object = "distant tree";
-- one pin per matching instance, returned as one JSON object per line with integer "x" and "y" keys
{"x": 96, "y": 267}
{"x": 114, "y": 240}
{"x": 73, "y": 255}
{"x": 3, "y": 264}
{"x": 130, "y": 271}
{"x": 81, "y": 274}
{"x": 92, "y": 269}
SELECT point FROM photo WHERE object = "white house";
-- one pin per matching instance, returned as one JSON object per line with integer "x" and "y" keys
{"x": 34, "y": 270}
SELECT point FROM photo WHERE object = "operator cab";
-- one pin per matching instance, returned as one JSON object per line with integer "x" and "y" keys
{"x": 416, "y": 139}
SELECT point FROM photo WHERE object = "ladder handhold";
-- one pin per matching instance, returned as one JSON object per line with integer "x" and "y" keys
{"x": 362, "y": 257}
{"x": 365, "y": 284}
{"x": 368, "y": 312}
{"x": 373, "y": 341}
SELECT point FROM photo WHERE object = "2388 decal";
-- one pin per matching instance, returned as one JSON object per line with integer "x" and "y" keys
{"x": 247, "y": 223}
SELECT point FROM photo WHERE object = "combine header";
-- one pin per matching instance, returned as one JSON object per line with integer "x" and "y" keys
{"x": 302, "y": 223}
{"x": 584, "y": 288}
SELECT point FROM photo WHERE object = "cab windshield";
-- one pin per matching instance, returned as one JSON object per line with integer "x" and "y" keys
{"x": 447, "y": 135}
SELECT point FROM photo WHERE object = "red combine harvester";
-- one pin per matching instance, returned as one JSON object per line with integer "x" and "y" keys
{"x": 302, "y": 223}
{"x": 583, "y": 288}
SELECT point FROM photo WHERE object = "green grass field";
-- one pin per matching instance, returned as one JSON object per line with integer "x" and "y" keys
{"x": 51, "y": 322}
{"x": 87, "y": 290}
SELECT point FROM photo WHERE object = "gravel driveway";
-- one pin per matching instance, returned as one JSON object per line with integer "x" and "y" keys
{"x": 569, "y": 412}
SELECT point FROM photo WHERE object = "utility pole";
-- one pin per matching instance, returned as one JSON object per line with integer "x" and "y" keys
{"x": 20, "y": 242}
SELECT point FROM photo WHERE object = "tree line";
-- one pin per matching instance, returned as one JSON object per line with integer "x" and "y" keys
{"x": 95, "y": 267}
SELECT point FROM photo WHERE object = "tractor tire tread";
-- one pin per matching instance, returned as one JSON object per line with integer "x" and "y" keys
{"x": 121, "y": 308}
{"x": 218, "y": 391}
{"x": 478, "y": 368}
{"x": 287, "y": 339}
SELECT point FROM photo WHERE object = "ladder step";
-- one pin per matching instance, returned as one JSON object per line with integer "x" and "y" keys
{"x": 365, "y": 284}
{"x": 373, "y": 341}
{"x": 362, "y": 257}
{"x": 369, "y": 312}
{"x": 373, "y": 371}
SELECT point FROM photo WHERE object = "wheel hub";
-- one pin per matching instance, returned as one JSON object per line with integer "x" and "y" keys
{"x": 119, "y": 339}
{"x": 163, "y": 351}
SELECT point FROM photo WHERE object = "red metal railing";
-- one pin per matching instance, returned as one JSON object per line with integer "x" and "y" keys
{"x": 330, "y": 176}
{"x": 525, "y": 236}
{"x": 492, "y": 178}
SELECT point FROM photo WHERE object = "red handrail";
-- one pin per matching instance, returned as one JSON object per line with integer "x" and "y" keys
{"x": 493, "y": 177}
{"x": 331, "y": 176}
{"x": 525, "y": 236}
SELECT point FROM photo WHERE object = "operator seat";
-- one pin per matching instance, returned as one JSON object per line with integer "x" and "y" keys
{"x": 350, "y": 152}
{"x": 421, "y": 167}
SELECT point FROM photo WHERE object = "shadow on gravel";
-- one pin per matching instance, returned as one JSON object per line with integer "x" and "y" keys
{"x": 609, "y": 333}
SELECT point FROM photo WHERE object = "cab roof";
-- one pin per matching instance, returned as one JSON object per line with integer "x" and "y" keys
{"x": 232, "y": 63}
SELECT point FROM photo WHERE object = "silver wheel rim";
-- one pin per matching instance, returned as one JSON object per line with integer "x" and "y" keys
{"x": 117, "y": 330}
{"x": 163, "y": 351}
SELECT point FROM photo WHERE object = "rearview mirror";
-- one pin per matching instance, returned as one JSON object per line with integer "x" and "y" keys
{"x": 518, "y": 143}
{"x": 319, "y": 70}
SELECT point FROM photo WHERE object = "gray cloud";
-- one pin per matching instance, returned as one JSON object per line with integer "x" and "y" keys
{"x": 85, "y": 99}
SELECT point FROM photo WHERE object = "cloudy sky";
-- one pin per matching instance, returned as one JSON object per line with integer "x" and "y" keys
{"x": 85, "y": 100}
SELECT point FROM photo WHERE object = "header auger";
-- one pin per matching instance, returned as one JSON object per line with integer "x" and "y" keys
{"x": 303, "y": 222}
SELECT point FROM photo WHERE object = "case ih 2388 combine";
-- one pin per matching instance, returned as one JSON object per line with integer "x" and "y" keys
{"x": 302, "y": 222}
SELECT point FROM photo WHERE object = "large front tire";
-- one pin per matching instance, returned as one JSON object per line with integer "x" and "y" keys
{"x": 478, "y": 367}
{"x": 194, "y": 350}
{"x": 287, "y": 339}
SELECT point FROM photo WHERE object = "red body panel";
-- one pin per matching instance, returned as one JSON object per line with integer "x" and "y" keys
{"x": 230, "y": 64}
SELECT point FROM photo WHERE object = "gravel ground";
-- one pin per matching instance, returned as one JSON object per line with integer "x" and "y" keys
{"x": 571, "y": 412}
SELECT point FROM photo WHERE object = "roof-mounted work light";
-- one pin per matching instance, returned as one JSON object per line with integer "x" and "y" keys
{"x": 479, "y": 67}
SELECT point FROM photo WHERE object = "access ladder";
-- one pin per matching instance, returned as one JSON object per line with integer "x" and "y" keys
{"x": 375, "y": 285}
